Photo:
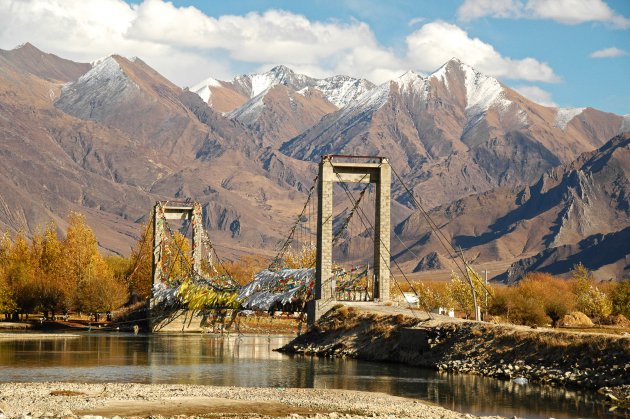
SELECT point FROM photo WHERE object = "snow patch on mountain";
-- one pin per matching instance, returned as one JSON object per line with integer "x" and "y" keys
{"x": 482, "y": 92}
{"x": 203, "y": 88}
{"x": 98, "y": 61}
{"x": 565, "y": 115}
{"x": 341, "y": 90}
{"x": 338, "y": 90}
{"x": 412, "y": 82}
{"x": 250, "y": 111}
{"x": 262, "y": 82}
{"x": 369, "y": 102}
{"x": 625, "y": 124}
{"x": 93, "y": 94}
{"x": 440, "y": 74}
{"x": 107, "y": 72}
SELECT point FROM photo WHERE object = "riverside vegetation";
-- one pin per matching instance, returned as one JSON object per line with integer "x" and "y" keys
{"x": 55, "y": 275}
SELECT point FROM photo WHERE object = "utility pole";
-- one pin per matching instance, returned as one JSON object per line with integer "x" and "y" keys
{"x": 486, "y": 273}
{"x": 472, "y": 287}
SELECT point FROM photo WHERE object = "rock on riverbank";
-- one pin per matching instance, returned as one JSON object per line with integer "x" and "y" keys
{"x": 72, "y": 400}
{"x": 555, "y": 357}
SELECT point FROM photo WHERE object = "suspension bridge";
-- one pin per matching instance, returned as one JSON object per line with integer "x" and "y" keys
{"x": 329, "y": 255}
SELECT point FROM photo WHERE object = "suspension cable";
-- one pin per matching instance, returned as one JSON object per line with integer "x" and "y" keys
{"x": 277, "y": 260}
{"x": 363, "y": 218}
{"x": 440, "y": 235}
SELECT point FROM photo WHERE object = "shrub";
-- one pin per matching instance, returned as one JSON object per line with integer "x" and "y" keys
{"x": 540, "y": 298}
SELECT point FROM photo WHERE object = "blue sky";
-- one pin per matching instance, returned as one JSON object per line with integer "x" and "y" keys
{"x": 567, "y": 53}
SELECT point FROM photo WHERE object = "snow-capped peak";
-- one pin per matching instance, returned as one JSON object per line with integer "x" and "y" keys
{"x": 106, "y": 75}
{"x": 565, "y": 115}
{"x": 99, "y": 60}
{"x": 408, "y": 77}
{"x": 203, "y": 88}
{"x": 277, "y": 75}
{"x": 338, "y": 90}
{"x": 104, "y": 67}
{"x": 411, "y": 82}
{"x": 482, "y": 91}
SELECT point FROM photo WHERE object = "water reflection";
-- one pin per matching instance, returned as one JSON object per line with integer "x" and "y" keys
{"x": 250, "y": 361}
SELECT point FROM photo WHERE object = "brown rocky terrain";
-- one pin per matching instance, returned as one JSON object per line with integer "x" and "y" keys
{"x": 120, "y": 137}
{"x": 577, "y": 212}
{"x": 110, "y": 138}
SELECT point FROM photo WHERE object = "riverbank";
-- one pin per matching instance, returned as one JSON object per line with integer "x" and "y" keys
{"x": 577, "y": 360}
{"x": 71, "y": 400}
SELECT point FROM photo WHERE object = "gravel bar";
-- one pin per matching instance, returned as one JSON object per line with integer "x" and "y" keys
{"x": 77, "y": 400}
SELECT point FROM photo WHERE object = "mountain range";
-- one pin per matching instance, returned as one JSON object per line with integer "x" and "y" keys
{"x": 111, "y": 137}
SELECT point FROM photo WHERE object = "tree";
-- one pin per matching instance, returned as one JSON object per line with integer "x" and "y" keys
{"x": 100, "y": 291}
{"x": 20, "y": 274}
{"x": 527, "y": 305}
{"x": 459, "y": 292}
{"x": 435, "y": 294}
{"x": 8, "y": 306}
{"x": 54, "y": 289}
{"x": 139, "y": 275}
{"x": 589, "y": 299}
{"x": 620, "y": 297}
{"x": 96, "y": 289}
{"x": 177, "y": 260}
{"x": 303, "y": 258}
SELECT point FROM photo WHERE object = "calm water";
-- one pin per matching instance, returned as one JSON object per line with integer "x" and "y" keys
{"x": 250, "y": 361}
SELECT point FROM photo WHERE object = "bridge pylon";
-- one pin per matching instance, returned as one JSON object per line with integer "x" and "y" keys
{"x": 333, "y": 169}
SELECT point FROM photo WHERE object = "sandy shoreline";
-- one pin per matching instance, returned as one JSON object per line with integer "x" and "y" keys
{"x": 42, "y": 336}
{"x": 167, "y": 400}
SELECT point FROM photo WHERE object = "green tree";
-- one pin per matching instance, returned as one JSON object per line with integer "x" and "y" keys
{"x": 460, "y": 292}
{"x": 620, "y": 297}
{"x": 589, "y": 299}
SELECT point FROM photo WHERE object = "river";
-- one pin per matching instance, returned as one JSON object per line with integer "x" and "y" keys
{"x": 249, "y": 361}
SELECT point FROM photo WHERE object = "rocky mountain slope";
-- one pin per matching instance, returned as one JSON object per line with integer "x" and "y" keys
{"x": 110, "y": 138}
{"x": 456, "y": 132}
{"x": 119, "y": 137}
{"x": 577, "y": 212}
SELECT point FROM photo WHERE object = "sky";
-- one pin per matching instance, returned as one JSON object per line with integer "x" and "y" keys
{"x": 566, "y": 53}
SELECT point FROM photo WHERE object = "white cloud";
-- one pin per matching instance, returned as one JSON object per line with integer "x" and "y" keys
{"x": 187, "y": 45}
{"x": 536, "y": 94}
{"x": 608, "y": 53}
{"x": 415, "y": 21}
{"x": 569, "y": 12}
{"x": 474, "y": 9}
{"x": 437, "y": 42}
